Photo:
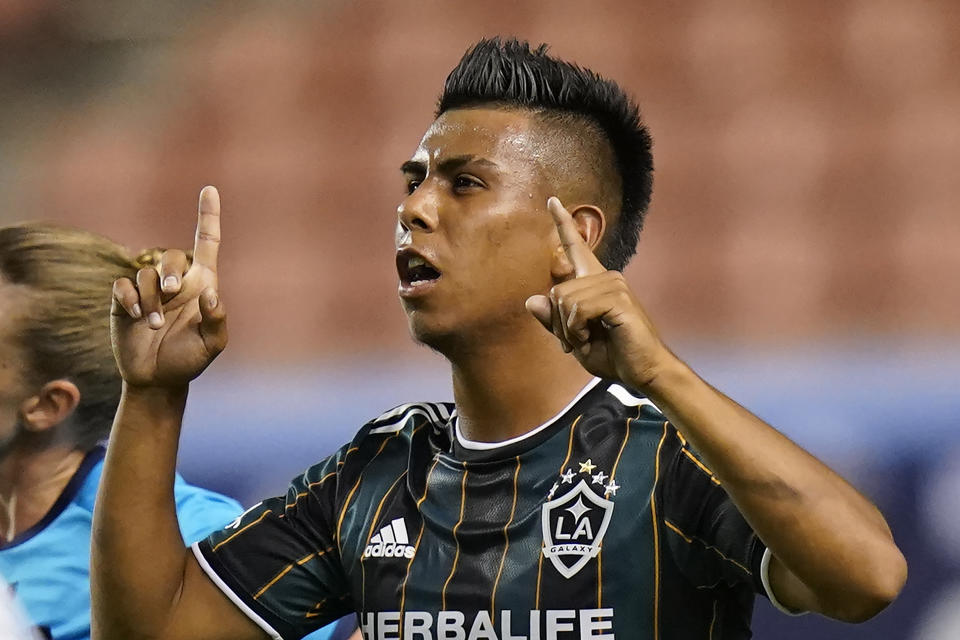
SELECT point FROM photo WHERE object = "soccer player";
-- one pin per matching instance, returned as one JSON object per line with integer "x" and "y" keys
{"x": 585, "y": 483}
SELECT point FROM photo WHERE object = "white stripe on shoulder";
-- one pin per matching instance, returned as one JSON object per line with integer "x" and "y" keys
{"x": 396, "y": 411}
{"x": 234, "y": 598}
{"x": 442, "y": 410}
{"x": 627, "y": 398}
{"x": 433, "y": 410}
{"x": 395, "y": 419}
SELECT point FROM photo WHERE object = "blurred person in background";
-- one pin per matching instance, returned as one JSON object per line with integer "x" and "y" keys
{"x": 59, "y": 389}
{"x": 585, "y": 480}
{"x": 58, "y": 394}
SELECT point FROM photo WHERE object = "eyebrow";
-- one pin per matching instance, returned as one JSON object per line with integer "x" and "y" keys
{"x": 449, "y": 165}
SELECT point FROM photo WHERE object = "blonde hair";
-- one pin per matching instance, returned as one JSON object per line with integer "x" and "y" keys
{"x": 67, "y": 278}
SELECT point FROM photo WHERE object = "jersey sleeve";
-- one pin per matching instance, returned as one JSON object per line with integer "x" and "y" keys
{"x": 279, "y": 561}
{"x": 710, "y": 540}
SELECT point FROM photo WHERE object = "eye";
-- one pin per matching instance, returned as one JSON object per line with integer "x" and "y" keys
{"x": 465, "y": 182}
{"x": 412, "y": 186}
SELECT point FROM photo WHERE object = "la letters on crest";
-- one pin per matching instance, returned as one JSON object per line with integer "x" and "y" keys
{"x": 573, "y": 527}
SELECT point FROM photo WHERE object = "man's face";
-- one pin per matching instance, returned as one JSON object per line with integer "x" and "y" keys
{"x": 474, "y": 238}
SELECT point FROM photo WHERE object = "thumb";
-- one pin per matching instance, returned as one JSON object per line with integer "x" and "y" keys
{"x": 541, "y": 309}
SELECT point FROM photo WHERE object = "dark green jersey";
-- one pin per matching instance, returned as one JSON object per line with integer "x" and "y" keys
{"x": 601, "y": 523}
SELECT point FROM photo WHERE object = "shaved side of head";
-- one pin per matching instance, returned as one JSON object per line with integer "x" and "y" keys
{"x": 578, "y": 162}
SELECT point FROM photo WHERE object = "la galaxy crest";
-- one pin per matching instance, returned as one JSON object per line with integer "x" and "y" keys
{"x": 575, "y": 522}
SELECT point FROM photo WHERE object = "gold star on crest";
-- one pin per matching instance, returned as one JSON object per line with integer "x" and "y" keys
{"x": 588, "y": 466}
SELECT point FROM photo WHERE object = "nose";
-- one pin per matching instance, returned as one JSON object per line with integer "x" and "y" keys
{"x": 418, "y": 211}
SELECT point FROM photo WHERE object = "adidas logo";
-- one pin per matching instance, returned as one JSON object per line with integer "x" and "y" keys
{"x": 391, "y": 541}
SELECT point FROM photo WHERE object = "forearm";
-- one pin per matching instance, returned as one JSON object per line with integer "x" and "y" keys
{"x": 824, "y": 531}
{"x": 830, "y": 538}
{"x": 138, "y": 555}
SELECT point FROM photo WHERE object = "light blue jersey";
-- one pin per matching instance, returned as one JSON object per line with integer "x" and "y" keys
{"x": 49, "y": 564}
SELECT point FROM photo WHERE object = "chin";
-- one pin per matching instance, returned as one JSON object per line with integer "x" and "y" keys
{"x": 431, "y": 332}
{"x": 428, "y": 336}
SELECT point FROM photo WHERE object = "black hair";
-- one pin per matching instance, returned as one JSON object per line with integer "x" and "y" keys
{"x": 509, "y": 73}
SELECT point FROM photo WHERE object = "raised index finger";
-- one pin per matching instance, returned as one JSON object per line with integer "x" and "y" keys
{"x": 207, "y": 242}
{"x": 578, "y": 252}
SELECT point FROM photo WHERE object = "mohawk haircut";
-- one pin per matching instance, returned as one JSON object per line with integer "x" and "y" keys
{"x": 509, "y": 73}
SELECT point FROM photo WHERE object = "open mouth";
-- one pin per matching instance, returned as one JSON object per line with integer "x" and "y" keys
{"x": 414, "y": 269}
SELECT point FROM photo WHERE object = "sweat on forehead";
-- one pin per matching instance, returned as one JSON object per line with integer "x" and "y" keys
{"x": 476, "y": 131}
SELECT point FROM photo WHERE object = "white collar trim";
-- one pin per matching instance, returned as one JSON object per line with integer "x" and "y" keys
{"x": 489, "y": 446}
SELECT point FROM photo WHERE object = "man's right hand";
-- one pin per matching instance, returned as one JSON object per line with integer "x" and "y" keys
{"x": 162, "y": 594}
{"x": 169, "y": 325}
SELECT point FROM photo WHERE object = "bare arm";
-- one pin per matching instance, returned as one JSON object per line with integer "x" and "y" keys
{"x": 144, "y": 582}
{"x": 832, "y": 550}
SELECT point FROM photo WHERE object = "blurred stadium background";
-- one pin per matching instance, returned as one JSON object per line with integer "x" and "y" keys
{"x": 801, "y": 250}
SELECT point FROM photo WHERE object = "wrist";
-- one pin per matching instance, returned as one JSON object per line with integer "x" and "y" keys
{"x": 155, "y": 397}
{"x": 150, "y": 414}
{"x": 664, "y": 373}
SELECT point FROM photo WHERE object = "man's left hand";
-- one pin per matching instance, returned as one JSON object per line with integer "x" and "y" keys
{"x": 595, "y": 315}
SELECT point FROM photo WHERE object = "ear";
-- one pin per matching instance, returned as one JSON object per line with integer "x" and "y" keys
{"x": 591, "y": 223}
{"x": 55, "y": 402}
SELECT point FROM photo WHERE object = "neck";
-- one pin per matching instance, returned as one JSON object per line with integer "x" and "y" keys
{"x": 508, "y": 386}
{"x": 31, "y": 480}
